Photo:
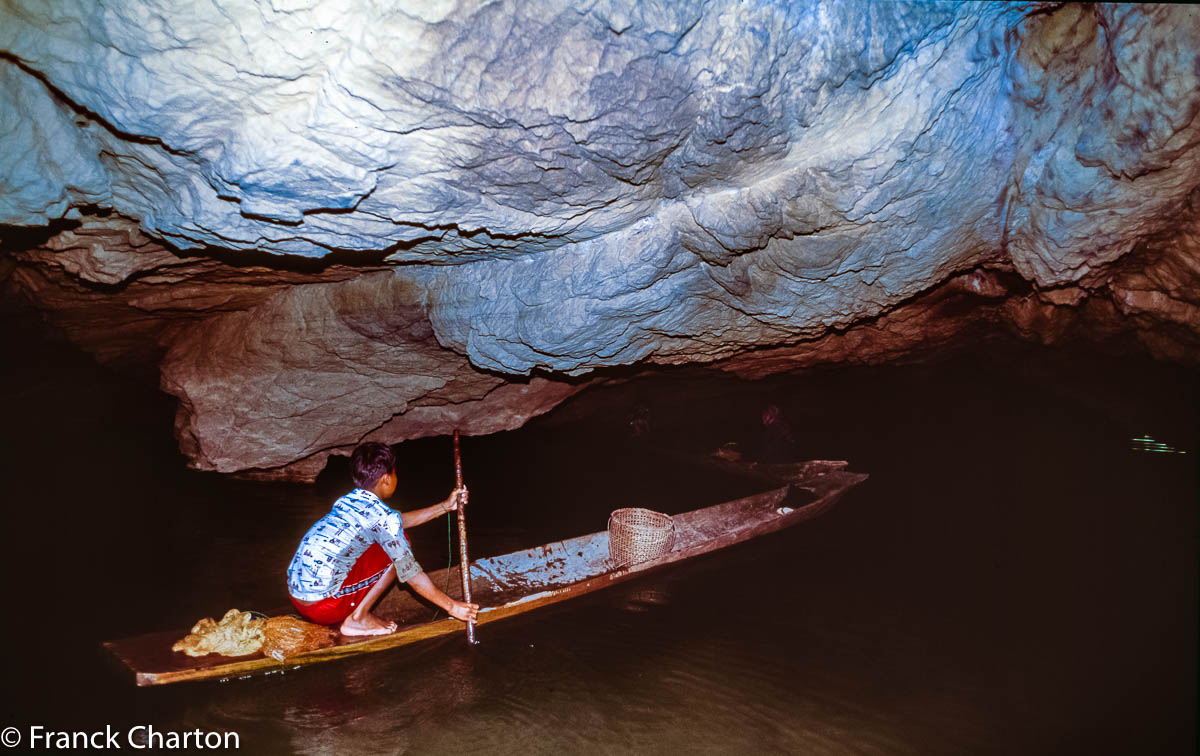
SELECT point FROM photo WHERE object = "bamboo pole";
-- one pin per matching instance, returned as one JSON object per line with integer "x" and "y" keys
{"x": 464, "y": 564}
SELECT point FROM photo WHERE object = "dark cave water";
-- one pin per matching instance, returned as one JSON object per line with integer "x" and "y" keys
{"x": 1017, "y": 576}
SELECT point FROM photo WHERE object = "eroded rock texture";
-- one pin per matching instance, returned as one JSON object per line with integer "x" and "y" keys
{"x": 324, "y": 222}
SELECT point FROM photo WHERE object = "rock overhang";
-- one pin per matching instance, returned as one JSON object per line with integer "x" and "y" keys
{"x": 547, "y": 191}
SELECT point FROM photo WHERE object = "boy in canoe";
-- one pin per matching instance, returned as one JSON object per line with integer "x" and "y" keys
{"x": 351, "y": 556}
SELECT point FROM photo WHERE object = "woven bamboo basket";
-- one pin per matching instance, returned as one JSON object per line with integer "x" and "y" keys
{"x": 638, "y": 535}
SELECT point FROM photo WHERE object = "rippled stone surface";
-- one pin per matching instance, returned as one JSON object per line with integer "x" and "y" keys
{"x": 321, "y": 224}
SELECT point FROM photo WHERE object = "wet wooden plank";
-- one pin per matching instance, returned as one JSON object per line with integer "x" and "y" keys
{"x": 511, "y": 584}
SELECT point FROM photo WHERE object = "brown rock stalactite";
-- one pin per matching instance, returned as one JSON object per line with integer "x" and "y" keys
{"x": 258, "y": 356}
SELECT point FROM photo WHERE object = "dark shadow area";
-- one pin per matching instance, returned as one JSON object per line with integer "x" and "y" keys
{"x": 18, "y": 238}
{"x": 1016, "y": 577}
{"x": 249, "y": 258}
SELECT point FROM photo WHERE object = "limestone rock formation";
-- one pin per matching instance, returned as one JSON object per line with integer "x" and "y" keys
{"x": 321, "y": 223}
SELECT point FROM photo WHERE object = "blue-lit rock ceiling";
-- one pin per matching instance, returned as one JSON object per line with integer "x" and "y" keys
{"x": 319, "y": 222}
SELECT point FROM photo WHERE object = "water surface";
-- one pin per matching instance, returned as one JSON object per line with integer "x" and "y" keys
{"x": 1017, "y": 576}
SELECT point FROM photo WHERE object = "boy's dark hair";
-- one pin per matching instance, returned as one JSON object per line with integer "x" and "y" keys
{"x": 370, "y": 462}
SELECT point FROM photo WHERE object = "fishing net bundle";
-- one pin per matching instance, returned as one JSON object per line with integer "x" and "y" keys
{"x": 638, "y": 535}
{"x": 287, "y": 636}
{"x": 237, "y": 634}
{"x": 241, "y": 633}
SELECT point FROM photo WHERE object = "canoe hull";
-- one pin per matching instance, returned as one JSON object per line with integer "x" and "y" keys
{"x": 512, "y": 584}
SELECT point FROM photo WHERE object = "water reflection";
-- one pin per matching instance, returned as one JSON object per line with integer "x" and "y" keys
{"x": 1145, "y": 443}
{"x": 646, "y": 599}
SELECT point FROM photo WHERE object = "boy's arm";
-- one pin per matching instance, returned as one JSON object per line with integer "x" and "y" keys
{"x": 421, "y": 516}
{"x": 457, "y": 609}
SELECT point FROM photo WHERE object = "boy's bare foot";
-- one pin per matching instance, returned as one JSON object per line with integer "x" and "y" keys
{"x": 368, "y": 625}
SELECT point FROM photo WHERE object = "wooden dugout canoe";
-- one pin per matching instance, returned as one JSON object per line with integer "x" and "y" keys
{"x": 514, "y": 583}
{"x": 781, "y": 472}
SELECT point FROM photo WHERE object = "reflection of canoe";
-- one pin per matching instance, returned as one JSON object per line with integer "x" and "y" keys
{"x": 780, "y": 472}
{"x": 514, "y": 583}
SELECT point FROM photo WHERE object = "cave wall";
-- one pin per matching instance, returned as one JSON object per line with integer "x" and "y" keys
{"x": 319, "y": 223}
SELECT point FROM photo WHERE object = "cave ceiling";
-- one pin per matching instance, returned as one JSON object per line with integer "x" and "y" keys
{"x": 321, "y": 222}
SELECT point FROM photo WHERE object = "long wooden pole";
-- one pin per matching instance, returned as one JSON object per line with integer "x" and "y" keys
{"x": 463, "y": 562}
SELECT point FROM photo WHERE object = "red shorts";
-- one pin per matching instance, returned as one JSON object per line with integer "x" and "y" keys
{"x": 365, "y": 572}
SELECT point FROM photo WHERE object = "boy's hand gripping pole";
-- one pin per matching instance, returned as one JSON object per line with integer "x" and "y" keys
{"x": 463, "y": 562}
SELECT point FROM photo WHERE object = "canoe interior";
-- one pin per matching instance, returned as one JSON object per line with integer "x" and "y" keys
{"x": 513, "y": 583}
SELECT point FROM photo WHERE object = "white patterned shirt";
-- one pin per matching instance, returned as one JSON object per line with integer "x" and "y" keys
{"x": 337, "y": 540}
